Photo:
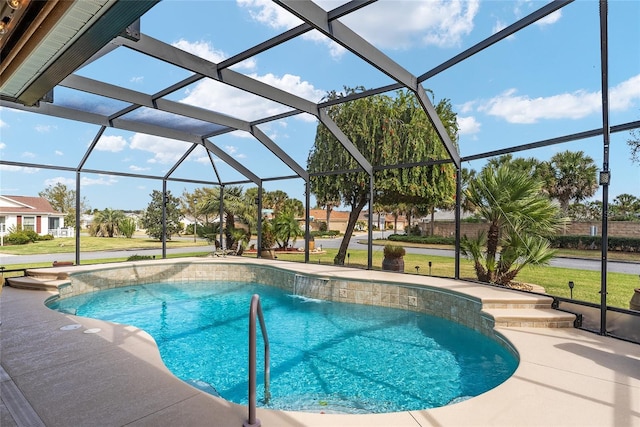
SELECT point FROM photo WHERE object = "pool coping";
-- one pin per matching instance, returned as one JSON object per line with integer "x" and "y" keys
{"x": 565, "y": 376}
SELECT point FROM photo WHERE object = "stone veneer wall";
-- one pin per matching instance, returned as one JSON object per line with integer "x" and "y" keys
{"x": 434, "y": 301}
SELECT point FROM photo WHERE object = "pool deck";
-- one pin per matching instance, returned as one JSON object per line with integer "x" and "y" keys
{"x": 101, "y": 374}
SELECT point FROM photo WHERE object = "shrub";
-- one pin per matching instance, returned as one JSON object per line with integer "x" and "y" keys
{"x": 127, "y": 227}
{"x": 393, "y": 251}
{"x": 17, "y": 238}
{"x": 139, "y": 257}
{"x": 616, "y": 244}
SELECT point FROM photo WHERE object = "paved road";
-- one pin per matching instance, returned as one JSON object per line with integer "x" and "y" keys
{"x": 356, "y": 242}
{"x": 360, "y": 242}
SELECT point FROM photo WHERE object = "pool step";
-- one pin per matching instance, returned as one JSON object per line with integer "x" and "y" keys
{"x": 523, "y": 301}
{"x": 531, "y": 317}
{"x": 47, "y": 274}
{"x": 36, "y": 283}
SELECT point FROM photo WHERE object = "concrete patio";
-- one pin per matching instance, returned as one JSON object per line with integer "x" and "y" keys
{"x": 102, "y": 374}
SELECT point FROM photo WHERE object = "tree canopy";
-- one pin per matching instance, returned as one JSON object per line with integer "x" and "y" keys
{"x": 152, "y": 217}
{"x": 63, "y": 200}
{"x": 387, "y": 130}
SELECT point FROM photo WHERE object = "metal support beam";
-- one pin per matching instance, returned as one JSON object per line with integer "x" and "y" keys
{"x": 204, "y": 68}
{"x": 437, "y": 124}
{"x": 457, "y": 219}
{"x": 259, "y": 202}
{"x": 279, "y": 153}
{"x": 230, "y": 161}
{"x": 78, "y": 199}
{"x": 221, "y": 216}
{"x": 164, "y": 219}
{"x": 604, "y": 62}
{"x": 370, "y": 220}
{"x": 307, "y": 216}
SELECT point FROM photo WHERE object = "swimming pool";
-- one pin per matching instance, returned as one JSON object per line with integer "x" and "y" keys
{"x": 326, "y": 356}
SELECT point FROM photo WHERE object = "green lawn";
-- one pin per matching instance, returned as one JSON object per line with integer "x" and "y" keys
{"x": 90, "y": 244}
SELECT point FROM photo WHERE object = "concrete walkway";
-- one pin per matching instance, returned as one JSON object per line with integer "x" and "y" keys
{"x": 64, "y": 370}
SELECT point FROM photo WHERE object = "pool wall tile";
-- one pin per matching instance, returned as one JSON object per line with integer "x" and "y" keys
{"x": 434, "y": 301}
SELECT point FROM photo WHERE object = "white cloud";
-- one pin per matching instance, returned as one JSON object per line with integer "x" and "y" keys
{"x": 28, "y": 155}
{"x": 467, "y": 107}
{"x": 550, "y": 19}
{"x": 101, "y": 180}
{"x": 44, "y": 128}
{"x": 20, "y": 169}
{"x": 267, "y": 12}
{"x": 84, "y": 181}
{"x": 206, "y": 51}
{"x": 576, "y": 105}
{"x": 498, "y": 26}
{"x": 623, "y": 96}
{"x": 468, "y": 125}
{"x": 135, "y": 168}
{"x": 69, "y": 182}
{"x": 292, "y": 84}
{"x": 165, "y": 151}
{"x": 59, "y": 153}
{"x": 223, "y": 98}
{"x": 137, "y": 79}
{"x": 112, "y": 143}
{"x": 226, "y": 99}
{"x": 3, "y": 124}
{"x": 390, "y": 24}
{"x": 3, "y": 145}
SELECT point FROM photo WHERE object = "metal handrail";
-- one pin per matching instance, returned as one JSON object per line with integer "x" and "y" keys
{"x": 256, "y": 311}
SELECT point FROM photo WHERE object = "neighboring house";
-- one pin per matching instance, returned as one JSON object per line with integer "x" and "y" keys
{"x": 31, "y": 213}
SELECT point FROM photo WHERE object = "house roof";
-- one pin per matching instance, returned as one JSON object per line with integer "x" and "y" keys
{"x": 321, "y": 215}
{"x": 26, "y": 205}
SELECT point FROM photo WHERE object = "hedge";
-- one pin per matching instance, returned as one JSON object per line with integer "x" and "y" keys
{"x": 616, "y": 244}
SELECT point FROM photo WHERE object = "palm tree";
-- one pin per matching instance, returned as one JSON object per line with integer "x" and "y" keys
{"x": 286, "y": 227}
{"x": 625, "y": 206}
{"x": 106, "y": 222}
{"x": 519, "y": 216}
{"x": 235, "y": 206}
{"x": 572, "y": 178}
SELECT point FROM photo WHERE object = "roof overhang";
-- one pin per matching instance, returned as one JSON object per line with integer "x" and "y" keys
{"x": 45, "y": 41}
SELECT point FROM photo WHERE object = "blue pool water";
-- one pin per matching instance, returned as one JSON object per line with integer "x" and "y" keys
{"x": 325, "y": 356}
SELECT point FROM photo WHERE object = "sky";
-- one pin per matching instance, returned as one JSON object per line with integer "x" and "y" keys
{"x": 541, "y": 83}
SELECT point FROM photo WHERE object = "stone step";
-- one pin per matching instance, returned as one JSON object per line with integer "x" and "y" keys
{"x": 47, "y": 274}
{"x": 525, "y": 302}
{"x": 531, "y": 318}
{"x": 32, "y": 283}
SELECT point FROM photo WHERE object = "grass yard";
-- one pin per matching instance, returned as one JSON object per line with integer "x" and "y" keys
{"x": 90, "y": 244}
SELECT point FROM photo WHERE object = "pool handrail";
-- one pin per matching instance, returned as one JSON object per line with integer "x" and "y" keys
{"x": 255, "y": 310}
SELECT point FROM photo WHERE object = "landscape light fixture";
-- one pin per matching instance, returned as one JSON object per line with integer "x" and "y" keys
{"x": 3, "y": 25}
{"x": 417, "y": 269}
{"x": 429, "y": 268}
{"x": 14, "y": 4}
{"x": 605, "y": 177}
{"x": 571, "y": 284}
